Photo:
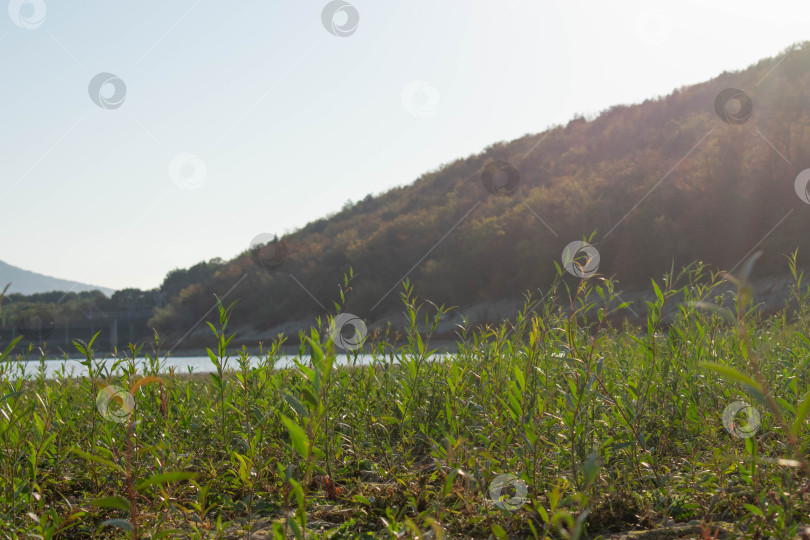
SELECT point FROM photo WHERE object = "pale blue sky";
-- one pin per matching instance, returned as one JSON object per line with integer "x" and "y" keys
{"x": 291, "y": 121}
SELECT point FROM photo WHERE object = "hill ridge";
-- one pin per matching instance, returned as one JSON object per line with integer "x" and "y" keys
{"x": 28, "y": 282}
{"x": 669, "y": 181}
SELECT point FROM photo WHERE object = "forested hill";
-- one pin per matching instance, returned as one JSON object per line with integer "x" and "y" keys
{"x": 700, "y": 174}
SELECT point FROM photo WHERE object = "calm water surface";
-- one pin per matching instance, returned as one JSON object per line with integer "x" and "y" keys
{"x": 181, "y": 365}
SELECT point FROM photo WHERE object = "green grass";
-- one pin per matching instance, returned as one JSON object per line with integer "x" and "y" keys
{"x": 609, "y": 427}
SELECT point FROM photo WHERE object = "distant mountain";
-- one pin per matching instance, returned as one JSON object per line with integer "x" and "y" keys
{"x": 27, "y": 282}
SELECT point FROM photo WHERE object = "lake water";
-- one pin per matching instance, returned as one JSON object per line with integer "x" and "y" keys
{"x": 198, "y": 364}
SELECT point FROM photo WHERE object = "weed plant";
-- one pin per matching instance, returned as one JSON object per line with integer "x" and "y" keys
{"x": 600, "y": 427}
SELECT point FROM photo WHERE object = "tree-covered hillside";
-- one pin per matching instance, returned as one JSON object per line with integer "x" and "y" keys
{"x": 705, "y": 173}
{"x": 691, "y": 176}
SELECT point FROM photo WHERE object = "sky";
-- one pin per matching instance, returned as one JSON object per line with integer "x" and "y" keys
{"x": 139, "y": 137}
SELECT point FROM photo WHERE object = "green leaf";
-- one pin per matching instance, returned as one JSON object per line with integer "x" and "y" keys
{"x": 309, "y": 397}
{"x": 298, "y": 490}
{"x": 296, "y": 405}
{"x": 76, "y": 343}
{"x": 168, "y": 533}
{"x": 295, "y": 528}
{"x": 11, "y": 345}
{"x": 362, "y": 500}
{"x": 309, "y": 373}
{"x": 89, "y": 345}
{"x": 448, "y": 481}
{"x": 754, "y": 510}
{"x": 299, "y": 438}
{"x": 317, "y": 354}
{"x": 166, "y": 478}
{"x": 10, "y": 395}
{"x": 498, "y": 531}
{"x": 562, "y": 515}
{"x": 520, "y": 379}
{"x": 724, "y": 313}
{"x": 802, "y": 337}
{"x": 801, "y": 414}
{"x": 114, "y": 502}
{"x": 96, "y": 459}
{"x": 658, "y": 293}
{"x": 244, "y": 473}
{"x": 120, "y": 523}
{"x": 731, "y": 373}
